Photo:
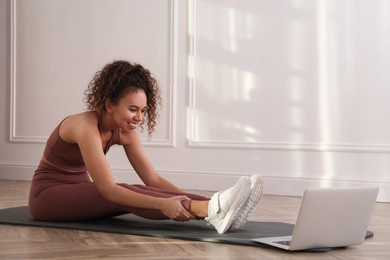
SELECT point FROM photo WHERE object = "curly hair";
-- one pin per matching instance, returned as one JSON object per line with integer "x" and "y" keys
{"x": 115, "y": 80}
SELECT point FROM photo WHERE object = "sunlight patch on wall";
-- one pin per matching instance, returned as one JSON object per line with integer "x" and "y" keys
{"x": 292, "y": 70}
{"x": 323, "y": 85}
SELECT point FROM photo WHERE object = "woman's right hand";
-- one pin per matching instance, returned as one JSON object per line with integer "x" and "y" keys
{"x": 173, "y": 208}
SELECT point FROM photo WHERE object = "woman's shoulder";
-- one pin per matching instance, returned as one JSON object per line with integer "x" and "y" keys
{"x": 77, "y": 124}
{"x": 128, "y": 138}
{"x": 84, "y": 119}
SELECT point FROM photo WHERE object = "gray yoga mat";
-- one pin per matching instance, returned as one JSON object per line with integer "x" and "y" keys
{"x": 196, "y": 230}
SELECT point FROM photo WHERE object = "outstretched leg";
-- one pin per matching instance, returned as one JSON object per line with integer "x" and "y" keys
{"x": 82, "y": 201}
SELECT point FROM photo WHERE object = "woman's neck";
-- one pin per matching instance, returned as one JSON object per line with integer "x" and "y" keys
{"x": 106, "y": 123}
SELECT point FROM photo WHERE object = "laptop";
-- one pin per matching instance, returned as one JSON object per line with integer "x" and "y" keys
{"x": 328, "y": 218}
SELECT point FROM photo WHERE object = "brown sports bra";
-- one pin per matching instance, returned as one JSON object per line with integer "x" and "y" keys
{"x": 67, "y": 155}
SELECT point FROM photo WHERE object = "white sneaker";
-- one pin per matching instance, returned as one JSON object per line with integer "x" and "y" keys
{"x": 224, "y": 205}
{"x": 254, "y": 197}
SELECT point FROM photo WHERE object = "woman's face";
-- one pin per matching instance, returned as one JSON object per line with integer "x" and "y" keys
{"x": 130, "y": 111}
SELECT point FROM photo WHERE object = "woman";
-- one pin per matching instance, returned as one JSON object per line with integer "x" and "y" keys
{"x": 74, "y": 180}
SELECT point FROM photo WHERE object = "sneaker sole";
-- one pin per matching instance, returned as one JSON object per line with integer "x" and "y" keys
{"x": 252, "y": 201}
{"x": 244, "y": 188}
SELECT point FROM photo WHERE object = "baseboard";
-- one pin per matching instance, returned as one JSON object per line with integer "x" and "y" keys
{"x": 214, "y": 181}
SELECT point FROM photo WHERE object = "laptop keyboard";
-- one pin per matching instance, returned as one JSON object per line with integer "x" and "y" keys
{"x": 285, "y": 243}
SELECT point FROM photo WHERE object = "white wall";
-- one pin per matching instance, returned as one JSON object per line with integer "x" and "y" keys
{"x": 295, "y": 90}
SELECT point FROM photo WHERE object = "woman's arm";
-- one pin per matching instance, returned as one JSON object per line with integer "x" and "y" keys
{"x": 86, "y": 134}
{"x": 142, "y": 165}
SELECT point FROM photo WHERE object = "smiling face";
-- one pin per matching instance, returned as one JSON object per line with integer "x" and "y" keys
{"x": 130, "y": 110}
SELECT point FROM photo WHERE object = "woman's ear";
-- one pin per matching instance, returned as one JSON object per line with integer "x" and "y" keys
{"x": 108, "y": 105}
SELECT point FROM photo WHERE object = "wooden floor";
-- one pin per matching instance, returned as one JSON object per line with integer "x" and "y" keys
{"x": 17, "y": 242}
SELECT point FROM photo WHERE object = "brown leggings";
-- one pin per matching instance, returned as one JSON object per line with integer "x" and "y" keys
{"x": 59, "y": 196}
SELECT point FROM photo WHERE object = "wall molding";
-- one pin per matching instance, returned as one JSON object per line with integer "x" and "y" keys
{"x": 195, "y": 142}
{"x": 170, "y": 142}
{"x": 274, "y": 183}
{"x": 285, "y": 146}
